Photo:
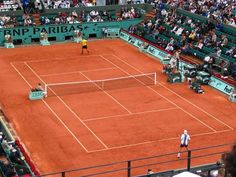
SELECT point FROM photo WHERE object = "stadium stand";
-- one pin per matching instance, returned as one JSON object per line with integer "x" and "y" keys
{"x": 223, "y": 11}
{"x": 13, "y": 159}
{"x": 9, "y": 6}
{"x": 170, "y": 29}
{"x": 194, "y": 35}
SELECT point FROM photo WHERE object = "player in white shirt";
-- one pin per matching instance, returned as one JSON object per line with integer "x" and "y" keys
{"x": 184, "y": 141}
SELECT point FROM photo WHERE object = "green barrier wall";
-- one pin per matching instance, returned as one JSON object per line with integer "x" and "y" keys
{"x": 62, "y": 32}
{"x": 221, "y": 85}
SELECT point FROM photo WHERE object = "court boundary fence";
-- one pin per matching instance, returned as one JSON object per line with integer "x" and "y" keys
{"x": 129, "y": 164}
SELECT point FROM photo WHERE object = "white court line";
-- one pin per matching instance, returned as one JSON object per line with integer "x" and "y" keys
{"x": 191, "y": 115}
{"x": 73, "y": 135}
{"x": 156, "y": 141}
{"x": 136, "y": 113}
{"x": 108, "y": 95}
{"x": 124, "y": 146}
{"x": 198, "y": 134}
{"x": 68, "y": 108}
{"x": 75, "y": 72}
{"x": 220, "y": 121}
{"x": 180, "y": 96}
{"x": 58, "y": 58}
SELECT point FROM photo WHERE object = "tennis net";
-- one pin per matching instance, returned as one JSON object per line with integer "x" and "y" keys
{"x": 68, "y": 88}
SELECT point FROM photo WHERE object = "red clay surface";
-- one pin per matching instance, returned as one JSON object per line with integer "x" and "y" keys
{"x": 91, "y": 128}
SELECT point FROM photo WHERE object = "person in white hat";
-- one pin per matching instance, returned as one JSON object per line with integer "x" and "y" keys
{"x": 184, "y": 140}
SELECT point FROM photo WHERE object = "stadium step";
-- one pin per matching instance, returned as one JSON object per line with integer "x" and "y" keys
{"x": 37, "y": 19}
{"x": 118, "y": 14}
{"x": 192, "y": 58}
{"x": 150, "y": 15}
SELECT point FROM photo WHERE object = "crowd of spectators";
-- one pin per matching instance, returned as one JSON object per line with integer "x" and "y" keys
{"x": 223, "y": 11}
{"x": 61, "y": 18}
{"x": 7, "y": 21}
{"x": 73, "y": 17}
{"x": 95, "y": 16}
{"x": 13, "y": 164}
{"x": 55, "y": 4}
{"x": 9, "y": 5}
{"x": 185, "y": 33}
{"x": 92, "y": 16}
{"x": 174, "y": 31}
{"x": 130, "y": 13}
{"x": 51, "y": 4}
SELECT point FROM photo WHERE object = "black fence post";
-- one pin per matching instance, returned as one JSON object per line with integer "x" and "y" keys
{"x": 226, "y": 173}
{"x": 129, "y": 169}
{"x": 63, "y": 174}
{"x": 189, "y": 161}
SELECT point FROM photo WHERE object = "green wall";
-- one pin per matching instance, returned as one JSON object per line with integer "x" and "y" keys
{"x": 61, "y": 32}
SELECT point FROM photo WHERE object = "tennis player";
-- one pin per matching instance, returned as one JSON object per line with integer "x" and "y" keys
{"x": 184, "y": 140}
{"x": 84, "y": 45}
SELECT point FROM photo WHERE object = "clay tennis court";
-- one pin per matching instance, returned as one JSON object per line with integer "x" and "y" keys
{"x": 67, "y": 131}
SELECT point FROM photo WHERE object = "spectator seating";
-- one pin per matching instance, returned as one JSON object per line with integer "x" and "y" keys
{"x": 195, "y": 19}
{"x": 202, "y": 29}
{"x": 9, "y": 6}
{"x": 12, "y": 162}
{"x": 221, "y": 11}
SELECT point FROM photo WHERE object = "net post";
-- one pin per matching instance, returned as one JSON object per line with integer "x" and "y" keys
{"x": 155, "y": 78}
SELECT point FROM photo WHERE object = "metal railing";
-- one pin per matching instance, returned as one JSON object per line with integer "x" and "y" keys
{"x": 133, "y": 167}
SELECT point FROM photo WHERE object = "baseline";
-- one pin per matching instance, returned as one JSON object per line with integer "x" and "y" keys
{"x": 75, "y": 72}
{"x": 56, "y": 59}
{"x": 155, "y": 141}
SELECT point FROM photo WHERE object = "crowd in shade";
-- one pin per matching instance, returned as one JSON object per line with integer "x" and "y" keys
{"x": 130, "y": 13}
{"x": 61, "y": 18}
{"x": 92, "y": 16}
{"x": 186, "y": 33}
{"x": 73, "y": 17}
{"x": 7, "y": 21}
{"x": 173, "y": 30}
{"x": 9, "y": 5}
{"x": 223, "y": 11}
{"x": 55, "y": 4}
{"x": 13, "y": 164}
{"x": 96, "y": 16}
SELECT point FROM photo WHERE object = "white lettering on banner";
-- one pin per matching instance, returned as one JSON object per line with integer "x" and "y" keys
{"x": 124, "y": 36}
{"x": 221, "y": 85}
